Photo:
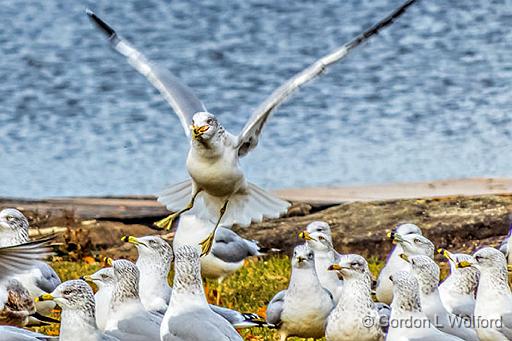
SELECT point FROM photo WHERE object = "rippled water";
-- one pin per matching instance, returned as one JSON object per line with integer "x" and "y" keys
{"x": 431, "y": 97}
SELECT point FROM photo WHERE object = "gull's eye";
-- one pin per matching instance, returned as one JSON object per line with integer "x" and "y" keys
{"x": 478, "y": 258}
{"x": 417, "y": 241}
{"x": 152, "y": 242}
{"x": 321, "y": 238}
{"x": 209, "y": 121}
{"x": 318, "y": 230}
{"x": 354, "y": 264}
{"x": 310, "y": 255}
{"x": 67, "y": 292}
{"x": 10, "y": 218}
{"x": 103, "y": 276}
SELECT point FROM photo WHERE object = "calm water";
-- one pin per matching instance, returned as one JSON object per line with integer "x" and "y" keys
{"x": 431, "y": 97}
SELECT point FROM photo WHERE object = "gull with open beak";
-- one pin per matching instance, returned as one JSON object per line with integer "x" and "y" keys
{"x": 318, "y": 237}
{"x": 493, "y": 297}
{"x": 384, "y": 288}
{"x": 217, "y": 182}
{"x": 458, "y": 290}
{"x": 303, "y": 308}
{"x": 355, "y": 306}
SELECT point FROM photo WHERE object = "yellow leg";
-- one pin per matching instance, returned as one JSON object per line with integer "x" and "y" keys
{"x": 219, "y": 288}
{"x": 206, "y": 245}
{"x": 166, "y": 223}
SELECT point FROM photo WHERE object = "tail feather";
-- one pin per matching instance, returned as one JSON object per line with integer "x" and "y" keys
{"x": 177, "y": 196}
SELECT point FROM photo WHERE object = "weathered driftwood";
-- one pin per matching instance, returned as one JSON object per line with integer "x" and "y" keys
{"x": 455, "y": 222}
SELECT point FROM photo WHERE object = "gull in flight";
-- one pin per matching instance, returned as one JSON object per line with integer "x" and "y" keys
{"x": 213, "y": 159}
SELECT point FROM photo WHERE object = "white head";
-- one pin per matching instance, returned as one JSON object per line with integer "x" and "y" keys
{"x": 487, "y": 259}
{"x": 102, "y": 278}
{"x": 204, "y": 126}
{"x": 13, "y": 227}
{"x": 72, "y": 295}
{"x": 415, "y": 244}
{"x": 155, "y": 254}
{"x": 352, "y": 266}
{"x": 303, "y": 257}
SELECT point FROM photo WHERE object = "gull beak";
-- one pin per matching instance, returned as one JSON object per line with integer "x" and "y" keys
{"x": 334, "y": 267}
{"x": 509, "y": 267}
{"x": 405, "y": 257}
{"x": 108, "y": 261}
{"x": 300, "y": 259}
{"x": 398, "y": 239}
{"x": 463, "y": 264}
{"x": 197, "y": 131}
{"x": 445, "y": 254}
{"x": 44, "y": 297}
{"x": 305, "y": 235}
{"x": 86, "y": 278}
{"x": 132, "y": 240}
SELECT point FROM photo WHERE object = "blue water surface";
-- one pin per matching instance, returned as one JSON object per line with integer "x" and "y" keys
{"x": 429, "y": 98}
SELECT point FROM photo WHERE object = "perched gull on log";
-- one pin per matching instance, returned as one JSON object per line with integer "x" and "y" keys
{"x": 189, "y": 316}
{"x": 427, "y": 273}
{"x": 216, "y": 178}
{"x": 78, "y": 322}
{"x": 41, "y": 278}
{"x": 493, "y": 308}
{"x": 303, "y": 308}
{"x": 155, "y": 287}
{"x": 458, "y": 290}
{"x": 384, "y": 288}
{"x": 411, "y": 321}
{"x": 318, "y": 238}
{"x": 349, "y": 319}
{"x": 105, "y": 281}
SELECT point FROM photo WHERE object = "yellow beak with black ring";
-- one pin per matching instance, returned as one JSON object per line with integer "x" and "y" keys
{"x": 44, "y": 297}
{"x": 108, "y": 261}
{"x": 132, "y": 240}
{"x": 198, "y": 131}
{"x": 334, "y": 267}
{"x": 305, "y": 235}
{"x": 463, "y": 264}
{"x": 87, "y": 278}
{"x": 446, "y": 254}
{"x": 405, "y": 257}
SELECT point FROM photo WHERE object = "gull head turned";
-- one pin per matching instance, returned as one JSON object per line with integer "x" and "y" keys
{"x": 204, "y": 126}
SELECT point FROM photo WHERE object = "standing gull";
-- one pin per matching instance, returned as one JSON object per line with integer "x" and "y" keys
{"x": 408, "y": 321}
{"x": 458, "y": 290}
{"x": 127, "y": 318}
{"x": 189, "y": 317}
{"x": 154, "y": 263}
{"x": 155, "y": 287}
{"x": 303, "y": 308}
{"x": 348, "y": 320}
{"x": 318, "y": 238}
{"x": 105, "y": 282}
{"x": 427, "y": 273}
{"x": 41, "y": 278}
{"x": 493, "y": 299}
{"x": 78, "y": 322}
{"x": 384, "y": 289}
{"x": 213, "y": 159}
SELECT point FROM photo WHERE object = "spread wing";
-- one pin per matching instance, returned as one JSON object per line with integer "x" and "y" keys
{"x": 248, "y": 138}
{"x": 22, "y": 257}
{"x": 179, "y": 96}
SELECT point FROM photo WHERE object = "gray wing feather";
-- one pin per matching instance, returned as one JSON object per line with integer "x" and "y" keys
{"x": 503, "y": 246}
{"x": 22, "y": 257}
{"x": 201, "y": 325}
{"x": 232, "y": 248}
{"x": 49, "y": 279}
{"x": 179, "y": 96}
{"x": 143, "y": 324}
{"x": 9, "y": 333}
{"x": 248, "y": 138}
{"x": 275, "y": 308}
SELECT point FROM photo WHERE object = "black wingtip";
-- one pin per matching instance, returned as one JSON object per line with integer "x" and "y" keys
{"x": 109, "y": 31}
{"x": 45, "y": 319}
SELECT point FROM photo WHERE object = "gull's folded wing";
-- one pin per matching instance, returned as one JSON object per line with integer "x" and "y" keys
{"x": 179, "y": 96}
{"x": 248, "y": 138}
{"x": 22, "y": 257}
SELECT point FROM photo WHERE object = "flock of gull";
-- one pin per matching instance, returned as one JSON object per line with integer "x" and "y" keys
{"x": 329, "y": 294}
